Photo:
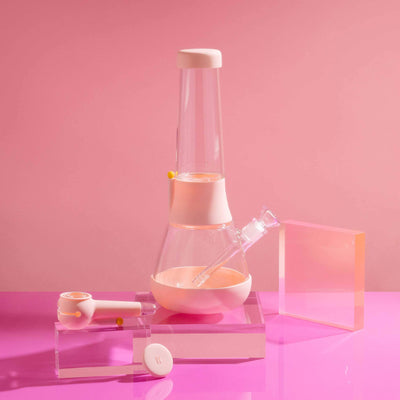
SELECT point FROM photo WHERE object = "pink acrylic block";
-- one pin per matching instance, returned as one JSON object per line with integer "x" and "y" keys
{"x": 234, "y": 334}
{"x": 321, "y": 274}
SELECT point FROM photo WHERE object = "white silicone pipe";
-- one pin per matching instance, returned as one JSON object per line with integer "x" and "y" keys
{"x": 76, "y": 310}
{"x": 111, "y": 308}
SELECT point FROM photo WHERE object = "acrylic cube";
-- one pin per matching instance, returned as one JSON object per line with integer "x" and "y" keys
{"x": 234, "y": 334}
{"x": 101, "y": 349}
{"x": 321, "y": 274}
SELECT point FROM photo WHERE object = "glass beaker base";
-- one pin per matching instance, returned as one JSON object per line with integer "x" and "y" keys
{"x": 218, "y": 296}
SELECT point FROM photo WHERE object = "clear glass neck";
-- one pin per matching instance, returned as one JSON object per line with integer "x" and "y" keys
{"x": 199, "y": 137}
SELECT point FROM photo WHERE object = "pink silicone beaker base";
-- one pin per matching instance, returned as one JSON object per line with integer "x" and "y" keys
{"x": 218, "y": 296}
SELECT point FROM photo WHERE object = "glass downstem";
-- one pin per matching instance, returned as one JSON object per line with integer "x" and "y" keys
{"x": 250, "y": 234}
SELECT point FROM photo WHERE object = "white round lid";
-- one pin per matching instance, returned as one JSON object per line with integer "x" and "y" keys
{"x": 158, "y": 360}
{"x": 199, "y": 58}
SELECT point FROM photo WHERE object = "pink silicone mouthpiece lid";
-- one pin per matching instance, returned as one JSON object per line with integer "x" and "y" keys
{"x": 158, "y": 360}
{"x": 199, "y": 58}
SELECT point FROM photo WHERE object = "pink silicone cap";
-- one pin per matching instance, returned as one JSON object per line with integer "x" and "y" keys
{"x": 199, "y": 58}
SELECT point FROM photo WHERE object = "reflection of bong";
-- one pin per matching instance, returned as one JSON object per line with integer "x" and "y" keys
{"x": 200, "y": 228}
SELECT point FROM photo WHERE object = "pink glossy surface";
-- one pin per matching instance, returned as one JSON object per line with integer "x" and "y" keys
{"x": 304, "y": 360}
{"x": 198, "y": 203}
{"x": 88, "y": 115}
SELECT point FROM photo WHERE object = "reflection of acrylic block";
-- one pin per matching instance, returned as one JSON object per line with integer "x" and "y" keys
{"x": 101, "y": 350}
{"x": 321, "y": 274}
{"x": 239, "y": 333}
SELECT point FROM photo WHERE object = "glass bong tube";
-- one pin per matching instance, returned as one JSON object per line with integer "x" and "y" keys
{"x": 200, "y": 223}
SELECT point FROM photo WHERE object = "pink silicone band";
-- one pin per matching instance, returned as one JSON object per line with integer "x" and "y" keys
{"x": 198, "y": 203}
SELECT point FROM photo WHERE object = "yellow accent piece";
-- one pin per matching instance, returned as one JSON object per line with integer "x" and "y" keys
{"x": 171, "y": 174}
{"x": 119, "y": 321}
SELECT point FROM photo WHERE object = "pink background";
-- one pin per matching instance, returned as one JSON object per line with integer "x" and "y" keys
{"x": 88, "y": 111}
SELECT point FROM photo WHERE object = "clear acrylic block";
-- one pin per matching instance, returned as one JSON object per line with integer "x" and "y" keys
{"x": 321, "y": 274}
{"x": 101, "y": 349}
{"x": 239, "y": 333}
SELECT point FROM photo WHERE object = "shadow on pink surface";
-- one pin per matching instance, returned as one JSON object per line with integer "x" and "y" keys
{"x": 37, "y": 369}
{"x": 281, "y": 329}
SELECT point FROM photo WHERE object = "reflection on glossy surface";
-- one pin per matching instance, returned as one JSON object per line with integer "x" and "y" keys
{"x": 304, "y": 360}
{"x": 161, "y": 390}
